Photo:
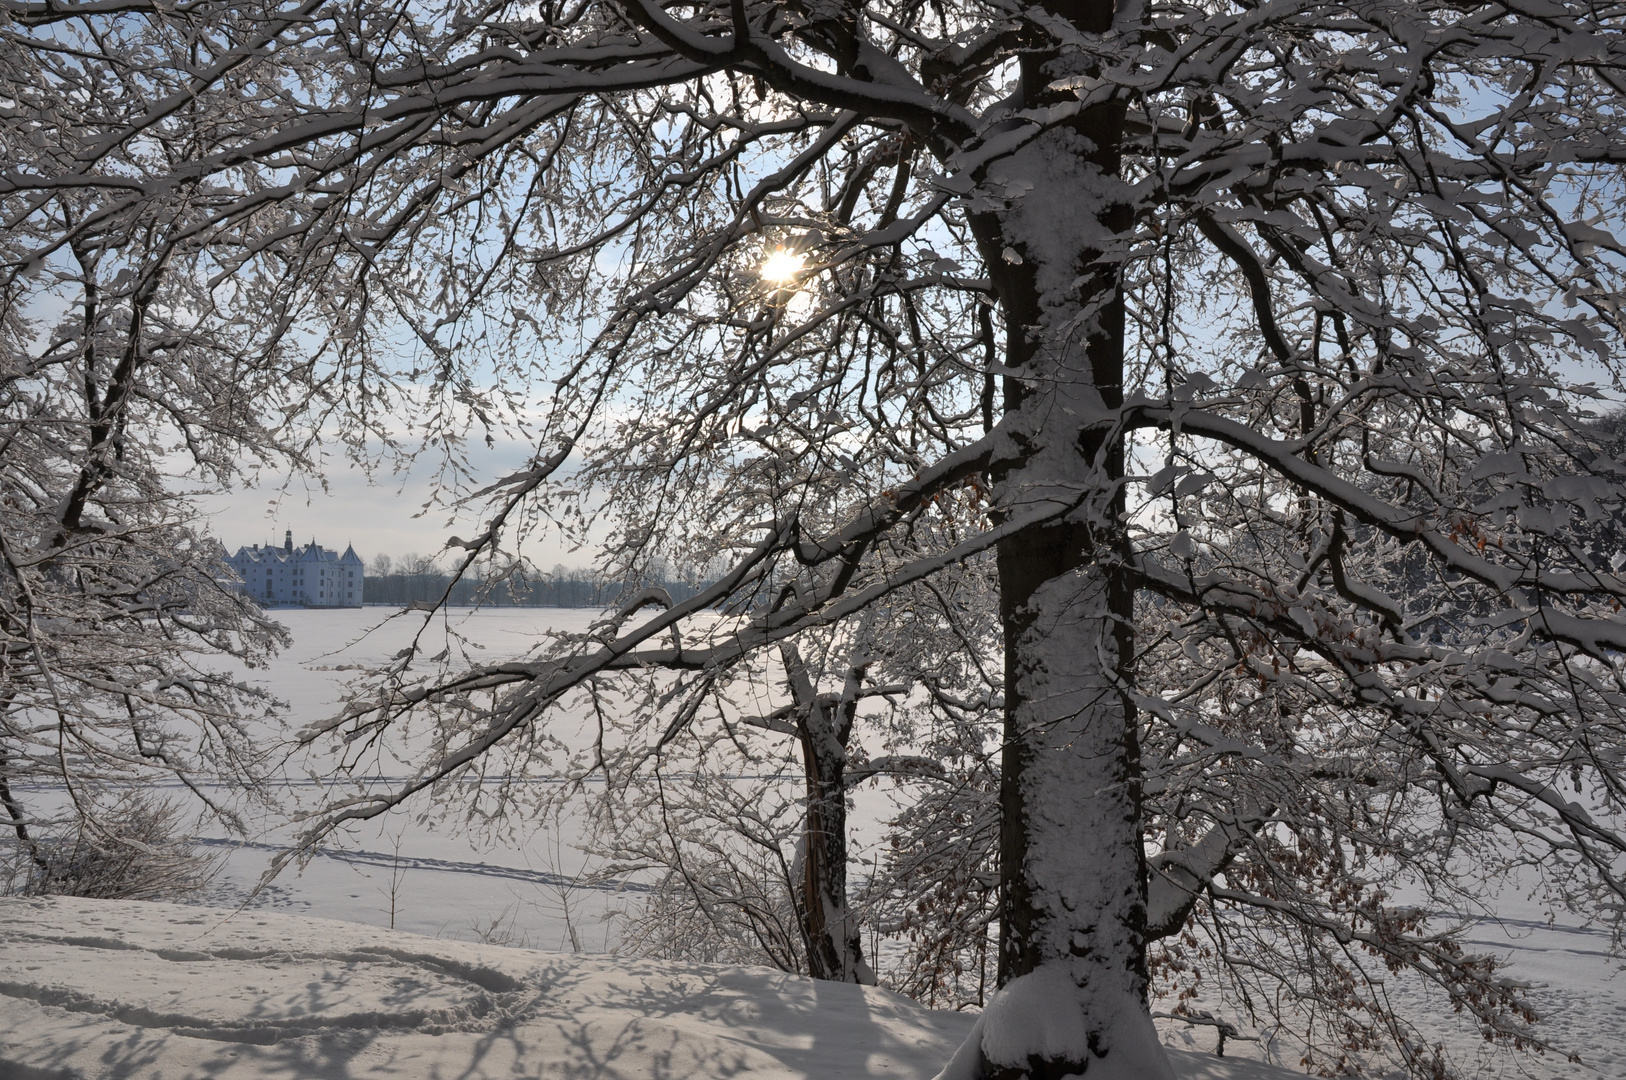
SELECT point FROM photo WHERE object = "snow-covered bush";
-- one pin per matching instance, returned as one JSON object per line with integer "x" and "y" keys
{"x": 134, "y": 847}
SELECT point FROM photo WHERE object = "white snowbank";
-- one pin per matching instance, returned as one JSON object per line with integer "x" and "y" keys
{"x": 105, "y": 989}
{"x": 1034, "y": 1014}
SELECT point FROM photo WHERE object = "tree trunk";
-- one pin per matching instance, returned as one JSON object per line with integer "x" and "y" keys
{"x": 823, "y": 725}
{"x": 1072, "y": 961}
{"x": 14, "y": 812}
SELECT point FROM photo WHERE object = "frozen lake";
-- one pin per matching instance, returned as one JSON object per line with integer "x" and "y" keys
{"x": 426, "y": 875}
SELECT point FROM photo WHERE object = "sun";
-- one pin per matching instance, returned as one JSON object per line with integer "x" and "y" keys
{"x": 781, "y": 267}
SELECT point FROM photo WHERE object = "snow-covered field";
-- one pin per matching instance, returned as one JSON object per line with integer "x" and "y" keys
{"x": 117, "y": 989}
{"x": 191, "y": 996}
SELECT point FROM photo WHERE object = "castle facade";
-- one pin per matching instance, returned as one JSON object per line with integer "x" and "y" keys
{"x": 309, "y": 576}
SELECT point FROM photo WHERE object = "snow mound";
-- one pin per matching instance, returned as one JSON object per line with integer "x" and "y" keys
{"x": 115, "y": 989}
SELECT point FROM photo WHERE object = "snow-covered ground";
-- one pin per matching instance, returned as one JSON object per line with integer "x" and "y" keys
{"x": 447, "y": 885}
{"x": 119, "y": 989}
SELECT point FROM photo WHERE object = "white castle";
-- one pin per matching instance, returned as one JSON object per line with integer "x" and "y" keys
{"x": 311, "y": 576}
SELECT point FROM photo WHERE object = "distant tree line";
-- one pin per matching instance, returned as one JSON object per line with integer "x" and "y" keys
{"x": 420, "y": 579}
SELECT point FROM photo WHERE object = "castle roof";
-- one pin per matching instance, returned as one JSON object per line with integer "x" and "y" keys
{"x": 308, "y": 553}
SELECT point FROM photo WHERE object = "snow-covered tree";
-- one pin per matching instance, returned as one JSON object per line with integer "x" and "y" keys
{"x": 120, "y": 621}
{"x": 748, "y": 815}
{"x": 1254, "y": 339}
{"x": 123, "y": 394}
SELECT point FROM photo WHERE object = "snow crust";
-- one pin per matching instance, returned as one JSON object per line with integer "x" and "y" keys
{"x": 97, "y": 990}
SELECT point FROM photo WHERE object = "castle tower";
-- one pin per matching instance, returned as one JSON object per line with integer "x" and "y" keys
{"x": 310, "y": 576}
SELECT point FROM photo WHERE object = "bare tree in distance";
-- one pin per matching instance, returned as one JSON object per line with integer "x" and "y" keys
{"x": 1251, "y": 339}
{"x": 414, "y": 565}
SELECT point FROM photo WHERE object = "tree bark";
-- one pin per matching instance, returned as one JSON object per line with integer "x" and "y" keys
{"x": 1072, "y": 959}
{"x": 823, "y": 725}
